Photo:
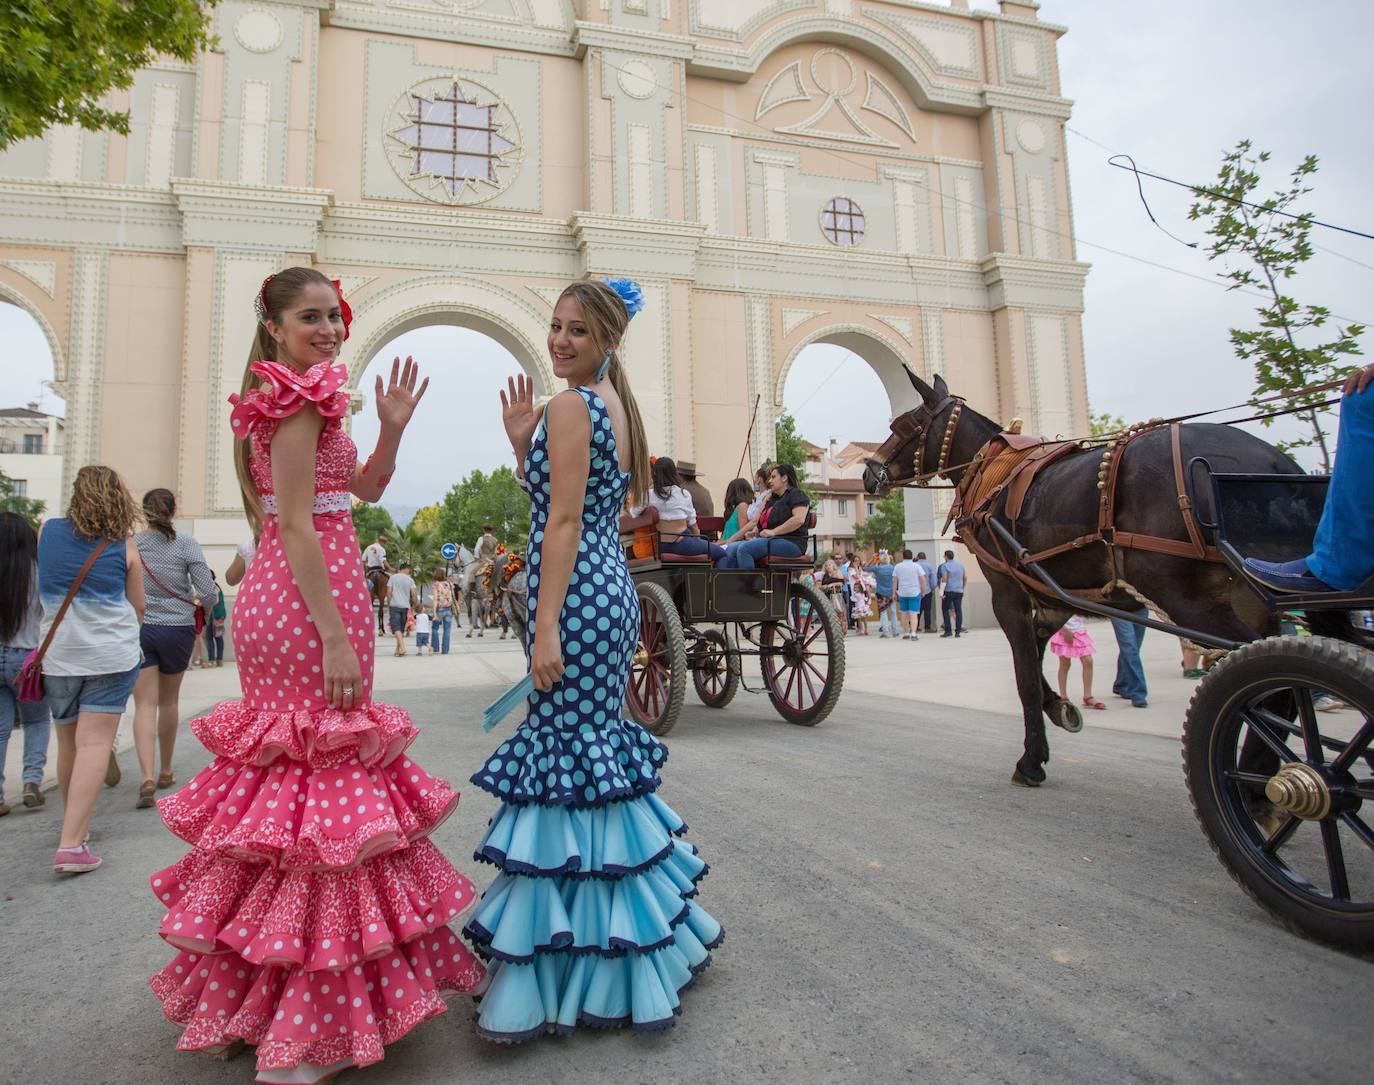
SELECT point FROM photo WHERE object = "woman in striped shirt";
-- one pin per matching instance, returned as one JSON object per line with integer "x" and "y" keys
{"x": 175, "y": 573}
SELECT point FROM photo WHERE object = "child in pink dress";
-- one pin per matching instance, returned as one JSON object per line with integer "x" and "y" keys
{"x": 312, "y": 911}
{"x": 1071, "y": 642}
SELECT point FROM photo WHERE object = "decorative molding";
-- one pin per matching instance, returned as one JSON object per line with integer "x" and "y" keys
{"x": 899, "y": 324}
{"x": 624, "y": 39}
{"x": 792, "y": 319}
{"x": 258, "y": 31}
{"x": 949, "y": 48}
{"x": 637, "y": 79}
{"x": 1021, "y": 283}
{"x": 225, "y": 215}
{"x": 835, "y": 100}
{"x": 549, "y": 295}
{"x": 59, "y": 355}
{"x": 932, "y": 342}
{"x": 879, "y": 99}
{"x": 41, "y": 273}
{"x": 89, "y": 215}
{"x": 774, "y": 95}
{"x": 632, "y": 246}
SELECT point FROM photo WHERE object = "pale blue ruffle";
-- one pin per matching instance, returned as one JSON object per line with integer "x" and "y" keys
{"x": 602, "y": 841}
{"x": 520, "y": 916}
{"x": 559, "y": 991}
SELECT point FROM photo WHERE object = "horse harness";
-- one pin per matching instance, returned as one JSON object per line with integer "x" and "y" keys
{"x": 1009, "y": 462}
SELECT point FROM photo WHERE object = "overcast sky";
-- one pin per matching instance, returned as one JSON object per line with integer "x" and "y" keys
{"x": 1173, "y": 83}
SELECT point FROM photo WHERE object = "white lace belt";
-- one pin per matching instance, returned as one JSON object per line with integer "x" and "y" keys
{"x": 336, "y": 501}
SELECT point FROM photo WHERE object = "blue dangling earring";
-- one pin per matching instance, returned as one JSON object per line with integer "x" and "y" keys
{"x": 605, "y": 366}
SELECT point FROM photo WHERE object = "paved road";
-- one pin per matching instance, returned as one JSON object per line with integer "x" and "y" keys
{"x": 896, "y": 912}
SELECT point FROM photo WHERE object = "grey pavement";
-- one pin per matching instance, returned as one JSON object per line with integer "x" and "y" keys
{"x": 895, "y": 910}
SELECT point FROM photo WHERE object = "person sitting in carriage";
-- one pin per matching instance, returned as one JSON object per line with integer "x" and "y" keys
{"x": 1342, "y": 557}
{"x": 781, "y": 530}
{"x": 677, "y": 514}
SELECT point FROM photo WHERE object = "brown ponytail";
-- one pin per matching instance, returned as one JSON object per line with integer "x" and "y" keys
{"x": 606, "y": 318}
{"x": 278, "y": 293}
{"x": 159, "y": 506}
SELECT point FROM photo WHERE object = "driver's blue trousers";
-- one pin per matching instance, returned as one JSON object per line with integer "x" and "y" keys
{"x": 1343, "y": 550}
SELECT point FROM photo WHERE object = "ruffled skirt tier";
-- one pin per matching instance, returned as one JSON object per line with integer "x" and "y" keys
{"x": 592, "y": 920}
{"x": 311, "y": 913}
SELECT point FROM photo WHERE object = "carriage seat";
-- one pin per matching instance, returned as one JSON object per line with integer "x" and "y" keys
{"x": 804, "y": 561}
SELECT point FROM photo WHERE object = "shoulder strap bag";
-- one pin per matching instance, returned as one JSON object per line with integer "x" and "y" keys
{"x": 200, "y": 611}
{"x": 31, "y": 672}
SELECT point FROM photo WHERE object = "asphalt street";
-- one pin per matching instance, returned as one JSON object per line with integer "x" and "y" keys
{"x": 895, "y": 909}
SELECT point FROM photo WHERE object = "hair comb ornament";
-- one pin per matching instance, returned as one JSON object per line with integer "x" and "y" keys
{"x": 630, "y": 294}
{"x": 260, "y": 300}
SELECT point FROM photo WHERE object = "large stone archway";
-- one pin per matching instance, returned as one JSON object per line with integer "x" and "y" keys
{"x": 703, "y": 148}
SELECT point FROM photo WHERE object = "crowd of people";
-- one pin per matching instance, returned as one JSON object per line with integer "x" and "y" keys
{"x": 322, "y": 883}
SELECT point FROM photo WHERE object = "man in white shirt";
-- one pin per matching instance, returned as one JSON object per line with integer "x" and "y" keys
{"x": 910, "y": 581}
{"x": 374, "y": 561}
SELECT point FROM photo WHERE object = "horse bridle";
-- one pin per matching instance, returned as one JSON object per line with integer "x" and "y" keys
{"x": 904, "y": 429}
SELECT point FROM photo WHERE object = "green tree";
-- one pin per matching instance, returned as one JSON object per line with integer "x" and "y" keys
{"x": 419, "y": 545}
{"x": 478, "y": 499}
{"x": 1265, "y": 247}
{"x": 788, "y": 444}
{"x": 1100, "y": 423}
{"x": 886, "y": 527}
{"x": 59, "y": 58}
{"x": 369, "y": 521}
{"x": 31, "y": 509}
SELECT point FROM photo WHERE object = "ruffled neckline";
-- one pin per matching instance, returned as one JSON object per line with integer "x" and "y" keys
{"x": 286, "y": 392}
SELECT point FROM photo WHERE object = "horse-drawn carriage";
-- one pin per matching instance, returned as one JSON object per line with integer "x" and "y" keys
{"x": 702, "y": 621}
{"x": 1276, "y": 782}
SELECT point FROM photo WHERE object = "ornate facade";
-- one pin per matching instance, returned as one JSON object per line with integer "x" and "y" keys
{"x": 888, "y": 175}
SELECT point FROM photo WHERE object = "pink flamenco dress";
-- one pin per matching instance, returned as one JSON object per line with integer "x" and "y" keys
{"x": 312, "y": 911}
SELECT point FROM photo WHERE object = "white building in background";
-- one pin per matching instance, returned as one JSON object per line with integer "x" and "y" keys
{"x": 31, "y": 447}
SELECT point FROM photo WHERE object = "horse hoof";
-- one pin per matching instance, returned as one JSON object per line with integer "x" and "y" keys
{"x": 1022, "y": 781}
{"x": 1067, "y": 716}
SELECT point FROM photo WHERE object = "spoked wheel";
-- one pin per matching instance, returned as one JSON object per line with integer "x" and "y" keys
{"x": 1278, "y": 780}
{"x": 803, "y": 657}
{"x": 715, "y": 669}
{"x": 658, "y": 674}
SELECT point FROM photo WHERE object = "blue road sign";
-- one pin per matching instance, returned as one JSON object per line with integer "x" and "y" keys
{"x": 449, "y": 550}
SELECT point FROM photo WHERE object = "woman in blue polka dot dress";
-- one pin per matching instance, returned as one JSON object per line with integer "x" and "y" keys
{"x": 592, "y": 920}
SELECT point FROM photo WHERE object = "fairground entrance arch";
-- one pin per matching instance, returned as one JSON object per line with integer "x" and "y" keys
{"x": 772, "y": 172}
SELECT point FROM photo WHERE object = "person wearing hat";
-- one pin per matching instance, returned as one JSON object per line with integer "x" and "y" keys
{"x": 677, "y": 516}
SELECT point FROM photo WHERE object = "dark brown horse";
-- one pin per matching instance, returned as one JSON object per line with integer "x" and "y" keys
{"x": 943, "y": 436}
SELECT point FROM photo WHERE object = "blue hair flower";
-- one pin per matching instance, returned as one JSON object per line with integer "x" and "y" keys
{"x": 629, "y": 293}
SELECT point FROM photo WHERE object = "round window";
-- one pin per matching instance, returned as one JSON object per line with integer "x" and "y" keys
{"x": 842, "y": 222}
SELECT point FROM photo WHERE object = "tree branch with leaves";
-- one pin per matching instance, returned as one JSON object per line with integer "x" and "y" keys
{"x": 1273, "y": 246}
{"x": 60, "y": 58}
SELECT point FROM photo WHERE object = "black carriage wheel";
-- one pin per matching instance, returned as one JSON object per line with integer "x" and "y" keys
{"x": 1278, "y": 786}
{"x": 802, "y": 657}
{"x": 715, "y": 669}
{"x": 658, "y": 673}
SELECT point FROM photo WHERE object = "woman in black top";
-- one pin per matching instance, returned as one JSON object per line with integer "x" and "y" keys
{"x": 781, "y": 530}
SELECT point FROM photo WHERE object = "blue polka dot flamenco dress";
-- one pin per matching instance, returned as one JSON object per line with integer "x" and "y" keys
{"x": 592, "y": 920}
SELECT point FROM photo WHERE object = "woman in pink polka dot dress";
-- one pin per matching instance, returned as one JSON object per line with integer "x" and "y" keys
{"x": 312, "y": 911}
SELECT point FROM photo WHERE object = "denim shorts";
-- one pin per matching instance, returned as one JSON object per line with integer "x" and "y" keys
{"x": 167, "y": 647}
{"x": 398, "y": 618}
{"x": 909, "y": 604}
{"x": 69, "y": 694}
